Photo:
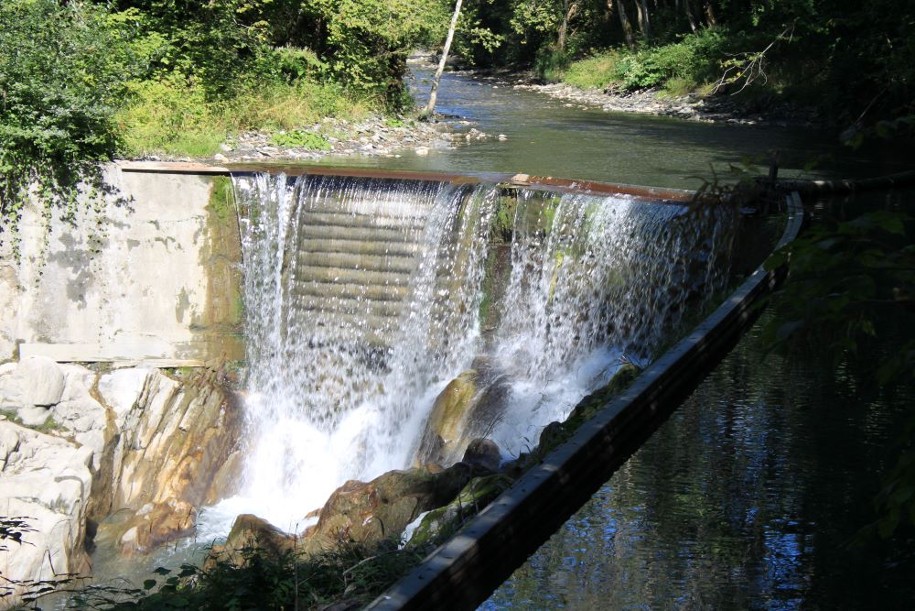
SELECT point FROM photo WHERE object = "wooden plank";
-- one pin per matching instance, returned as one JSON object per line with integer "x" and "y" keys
{"x": 464, "y": 571}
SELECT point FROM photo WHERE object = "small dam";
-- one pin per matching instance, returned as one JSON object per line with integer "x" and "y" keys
{"x": 373, "y": 303}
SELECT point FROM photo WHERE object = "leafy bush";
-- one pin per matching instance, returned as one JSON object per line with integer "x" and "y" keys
{"x": 686, "y": 64}
{"x": 300, "y": 138}
{"x": 62, "y": 71}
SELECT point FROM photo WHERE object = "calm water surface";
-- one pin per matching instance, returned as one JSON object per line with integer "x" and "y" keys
{"x": 547, "y": 137}
{"x": 749, "y": 497}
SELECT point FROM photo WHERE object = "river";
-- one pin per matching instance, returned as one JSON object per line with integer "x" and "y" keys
{"x": 751, "y": 495}
{"x": 544, "y": 136}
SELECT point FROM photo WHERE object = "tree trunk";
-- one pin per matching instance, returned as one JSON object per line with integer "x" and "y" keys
{"x": 689, "y": 16}
{"x": 641, "y": 7}
{"x": 624, "y": 22}
{"x": 710, "y": 13}
{"x": 569, "y": 11}
{"x": 430, "y": 107}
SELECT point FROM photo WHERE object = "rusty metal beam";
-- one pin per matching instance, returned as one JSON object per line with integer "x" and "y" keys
{"x": 465, "y": 570}
{"x": 510, "y": 180}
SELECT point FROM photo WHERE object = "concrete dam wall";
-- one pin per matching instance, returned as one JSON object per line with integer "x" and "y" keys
{"x": 154, "y": 282}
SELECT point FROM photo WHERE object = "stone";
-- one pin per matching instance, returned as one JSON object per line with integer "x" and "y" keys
{"x": 465, "y": 409}
{"x": 47, "y": 481}
{"x": 11, "y": 392}
{"x": 33, "y": 416}
{"x": 442, "y": 522}
{"x": 121, "y": 389}
{"x": 449, "y": 412}
{"x": 251, "y": 532}
{"x": 42, "y": 381}
{"x": 176, "y": 448}
{"x": 368, "y": 512}
{"x": 483, "y": 454}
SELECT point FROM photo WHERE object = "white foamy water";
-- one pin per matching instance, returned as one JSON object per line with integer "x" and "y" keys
{"x": 363, "y": 300}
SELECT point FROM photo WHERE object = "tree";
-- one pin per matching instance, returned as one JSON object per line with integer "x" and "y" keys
{"x": 63, "y": 68}
{"x": 430, "y": 107}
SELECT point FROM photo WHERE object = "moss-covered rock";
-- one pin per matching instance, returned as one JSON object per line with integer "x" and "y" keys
{"x": 556, "y": 433}
{"x": 463, "y": 411}
{"x": 441, "y": 523}
{"x": 367, "y": 512}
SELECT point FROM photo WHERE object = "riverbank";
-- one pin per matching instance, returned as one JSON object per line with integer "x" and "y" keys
{"x": 380, "y": 136}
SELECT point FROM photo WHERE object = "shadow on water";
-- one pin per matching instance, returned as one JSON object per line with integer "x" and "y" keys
{"x": 747, "y": 498}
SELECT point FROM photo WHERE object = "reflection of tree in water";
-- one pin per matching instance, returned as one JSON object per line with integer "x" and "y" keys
{"x": 747, "y": 498}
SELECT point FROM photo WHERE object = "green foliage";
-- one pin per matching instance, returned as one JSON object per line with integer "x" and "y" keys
{"x": 475, "y": 43}
{"x": 692, "y": 61}
{"x": 367, "y": 41}
{"x": 352, "y": 572}
{"x": 172, "y": 114}
{"x": 62, "y": 67}
{"x": 300, "y": 138}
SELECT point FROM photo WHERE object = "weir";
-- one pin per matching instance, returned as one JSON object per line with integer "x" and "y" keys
{"x": 368, "y": 300}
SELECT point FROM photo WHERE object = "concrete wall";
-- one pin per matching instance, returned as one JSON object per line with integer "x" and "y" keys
{"x": 154, "y": 282}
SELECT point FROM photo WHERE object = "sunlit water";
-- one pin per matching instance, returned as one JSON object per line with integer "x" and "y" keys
{"x": 550, "y": 137}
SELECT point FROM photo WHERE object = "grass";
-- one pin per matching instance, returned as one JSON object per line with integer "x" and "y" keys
{"x": 173, "y": 116}
{"x": 688, "y": 65}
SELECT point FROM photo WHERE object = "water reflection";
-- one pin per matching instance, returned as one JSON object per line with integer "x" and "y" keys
{"x": 747, "y": 498}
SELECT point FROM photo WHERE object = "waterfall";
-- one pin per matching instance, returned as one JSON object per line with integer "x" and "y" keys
{"x": 365, "y": 298}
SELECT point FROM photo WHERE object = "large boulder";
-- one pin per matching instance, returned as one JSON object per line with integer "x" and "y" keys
{"x": 30, "y": 387}
{"x": 46, "y": 481}
{"x": 176, "y": 443}
{"x": 368, "y": 512}
{"x": 466, "y": 409}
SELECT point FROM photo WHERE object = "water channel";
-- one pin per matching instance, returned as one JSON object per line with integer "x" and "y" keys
{"x": 750, "y": 496}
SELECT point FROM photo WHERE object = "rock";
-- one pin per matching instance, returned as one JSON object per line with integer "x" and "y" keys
{"x": 42, "y": 380}
{"x": 483, "y": 454}
{"x": 176, "y": 444}
{"x": 33, "y": 416}
{"x": 446, "y": 420}
{"x": 84, "y": 419}
{"x": 382, "y": 508}
{"x": 34, "y": 381}
{"x": 361, "y": 512}
{"x": 251, "y": 532}
{"x": 439, "y": 524}
{"x": 10, "y": 391}
{"x": 46, "y": 481}
{"x": 422, "y": 151}
{"x": 465, "y": 409}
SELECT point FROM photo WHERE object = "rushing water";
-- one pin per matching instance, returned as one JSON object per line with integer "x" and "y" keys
{"x": 365, "y": 298}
